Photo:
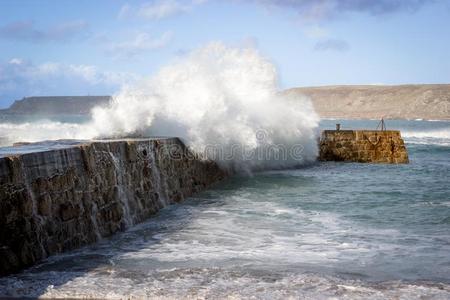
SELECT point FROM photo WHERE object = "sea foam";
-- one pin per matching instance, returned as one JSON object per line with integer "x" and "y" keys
{"x": 224, "y": 102}
{"x": 440, "y": 136}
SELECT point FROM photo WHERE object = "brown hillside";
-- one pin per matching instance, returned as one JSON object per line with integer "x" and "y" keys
{"x": 425, "y": 101}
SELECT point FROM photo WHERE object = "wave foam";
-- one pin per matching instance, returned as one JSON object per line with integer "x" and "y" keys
{"x": 41, "y": 130}
{"x": 222, "y": 101}
{"x": 433, "y": 137}
{"x": 214, "y": 283}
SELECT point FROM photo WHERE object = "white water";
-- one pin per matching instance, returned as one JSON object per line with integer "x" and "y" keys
{"x": 222, "y": 101}
{"x": 439, "y": 136}
{"x": 41, "y": 130}
{"x": 123, "y": 197}
{"x": 328, "y": 231}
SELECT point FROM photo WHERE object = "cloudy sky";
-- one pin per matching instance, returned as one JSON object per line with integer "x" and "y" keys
{"x": 62, "y": 47}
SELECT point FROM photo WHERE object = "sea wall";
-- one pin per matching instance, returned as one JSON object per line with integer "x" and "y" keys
{"x": 369, "y": 146}
{"x": 57, "y": 200}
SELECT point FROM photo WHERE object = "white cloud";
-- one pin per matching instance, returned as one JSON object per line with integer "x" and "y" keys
{"x": 141, "y": 42}
{"x": 19, "y": 78}
{"x": 162, "y": 9}
{"x": 94, "y": 76}
{"x": 158, "y": 9}
{"x": 16, "y": 61}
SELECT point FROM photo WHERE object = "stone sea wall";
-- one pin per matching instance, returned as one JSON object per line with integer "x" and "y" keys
{"x": 57, "y": 200}
{"x": 370, "y": 146}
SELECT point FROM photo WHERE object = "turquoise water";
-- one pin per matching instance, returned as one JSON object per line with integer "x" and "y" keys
{"x": 341, "y": 230}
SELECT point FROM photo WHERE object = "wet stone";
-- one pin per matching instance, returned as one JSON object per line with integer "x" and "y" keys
{"x": 63, "y": 199}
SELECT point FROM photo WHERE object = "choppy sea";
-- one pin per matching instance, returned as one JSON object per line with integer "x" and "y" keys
{"x": 329, "y": 230}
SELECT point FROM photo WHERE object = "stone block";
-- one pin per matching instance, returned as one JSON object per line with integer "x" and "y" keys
{"x": 363, "y": 146}
{"x": 63, "y": 199}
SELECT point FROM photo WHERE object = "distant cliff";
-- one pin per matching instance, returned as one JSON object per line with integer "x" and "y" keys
{"x": 77, "y": 105}
{"x": 423, "y": 101}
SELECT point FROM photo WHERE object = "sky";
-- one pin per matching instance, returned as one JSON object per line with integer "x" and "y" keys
{"x": 65, "y": 47}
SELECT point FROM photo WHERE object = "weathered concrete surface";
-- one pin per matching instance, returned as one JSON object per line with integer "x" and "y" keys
{"x": 58, "y": 200}
{"x": 369, "y": 146}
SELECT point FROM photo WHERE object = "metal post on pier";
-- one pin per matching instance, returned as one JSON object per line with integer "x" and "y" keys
{"x": 381, "y": 125}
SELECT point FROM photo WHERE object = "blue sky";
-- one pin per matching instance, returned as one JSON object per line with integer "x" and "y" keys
{"x": 62, "y": 47}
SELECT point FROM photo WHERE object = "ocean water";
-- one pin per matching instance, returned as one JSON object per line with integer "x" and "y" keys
{"x": 328, "y": 230}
